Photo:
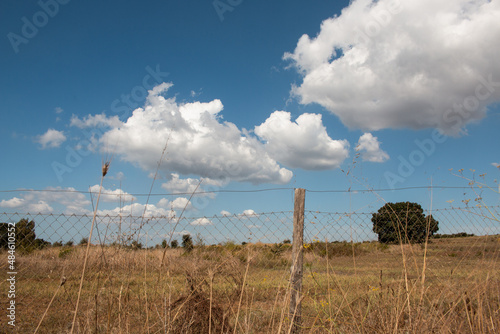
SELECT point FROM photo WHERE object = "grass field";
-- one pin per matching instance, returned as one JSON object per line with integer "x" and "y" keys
{"x": 449, "y": 286}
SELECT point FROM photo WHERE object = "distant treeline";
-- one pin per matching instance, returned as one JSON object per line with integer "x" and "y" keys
{"x": 454, "y": 235}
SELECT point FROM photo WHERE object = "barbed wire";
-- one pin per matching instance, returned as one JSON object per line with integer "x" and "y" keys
{"x": 235, "y": 191}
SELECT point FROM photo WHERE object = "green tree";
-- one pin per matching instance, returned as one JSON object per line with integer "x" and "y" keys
{"x": 174, "y": 244}
{"x": 40, "y": 243}
{"x": 4, "y": 235}
{"x": 403, "y": 222}
{"x": 136, "y": 245}
{"x": 187, "y": 243}
{"x": 24, "y": 234}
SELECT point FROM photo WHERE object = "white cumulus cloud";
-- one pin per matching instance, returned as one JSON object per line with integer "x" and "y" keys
{"x": 177, "y": 204}
{"x": 39, "y": 207}
{"x": 137, "y": 210}
{"x": 201, "y": 222}
{"x": 66, "y": 200}
{"x": 176, "y": 184}
{"x": 51, "y": 139}
{"x": 301, "y": 144}
{"x": 12, "y": 203}
{"x": 404, "y": 64}
{"x": 116, "y": 195}
{"x": 95, "y": 121}
{"x": 248, "y": 212}
{"x": 197, "y": 142}
{"x": 370, "y": 150}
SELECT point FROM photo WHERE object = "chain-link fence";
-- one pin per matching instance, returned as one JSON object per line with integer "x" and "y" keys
{"x": 358, "y": 226}
{"x": 268, "y": 228}
{"x": 225, "y": 273}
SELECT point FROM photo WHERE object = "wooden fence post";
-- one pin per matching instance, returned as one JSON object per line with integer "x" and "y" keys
{"x": 297, "y": 260}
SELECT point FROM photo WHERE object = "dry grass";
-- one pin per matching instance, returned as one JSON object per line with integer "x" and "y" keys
{"x": 236, "y": 289}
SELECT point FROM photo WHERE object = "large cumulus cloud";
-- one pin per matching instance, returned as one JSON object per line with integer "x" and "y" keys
{"x": 404, "y": 64}
{"x": 197, "y": 142}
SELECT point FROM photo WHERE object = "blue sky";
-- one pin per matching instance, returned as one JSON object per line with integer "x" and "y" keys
{"x": 247, "y": 95}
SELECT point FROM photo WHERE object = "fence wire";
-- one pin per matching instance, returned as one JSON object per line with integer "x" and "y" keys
{"x": 269, "y": 228}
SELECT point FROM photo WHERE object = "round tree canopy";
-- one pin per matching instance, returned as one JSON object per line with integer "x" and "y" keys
{"x": 403, "y": 222}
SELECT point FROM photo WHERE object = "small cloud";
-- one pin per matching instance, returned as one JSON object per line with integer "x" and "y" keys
{"x": 195, "y": 94}
{"x": 51, "y": 139}
{"x": 225, "y": 213}
{"x": 248, "y": 212}
{"x": 191, "y": 186}
{"x": 137, "y": 209}
{"x": 40, "y": 207}
{"x": 180, "y": 203}
{"x": 12, "y": 203}
{"x": 163, "y": 203}
{"x": 254, "y": 226}
{"x": 66, "y": 200}
{"x": 201, "y": 222}
{"x": 369, "y": 146}
{"x": 181, "y": 233}
{"x": 108, "y": 195}
{"x": 58, "y": 110}
{"x": 303, "y": 143}
{"x": 95, "y": 121}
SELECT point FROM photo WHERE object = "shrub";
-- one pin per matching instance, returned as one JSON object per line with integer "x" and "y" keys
{"x": 65, "y": 251}
{"x": 278, "y": 249}
{"x": 336, "y": 249}
{"x": 187, "y": 243}
{"x": 41, "y": 244}
{"x": 136, "y": 245}
{"x": 403, "y": 222}
{"x": 174, "y": 244}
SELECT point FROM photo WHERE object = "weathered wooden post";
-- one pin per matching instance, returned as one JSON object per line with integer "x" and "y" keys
{"x": 297, "y": 260}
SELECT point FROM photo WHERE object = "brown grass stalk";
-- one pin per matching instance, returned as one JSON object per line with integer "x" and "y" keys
{"x": 105, "y": 168}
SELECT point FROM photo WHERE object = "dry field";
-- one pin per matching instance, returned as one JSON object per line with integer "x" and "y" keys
{"x": 447, "y": 286}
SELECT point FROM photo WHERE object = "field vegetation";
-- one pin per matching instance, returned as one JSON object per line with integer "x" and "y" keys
{"x": 448, "y": 285}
